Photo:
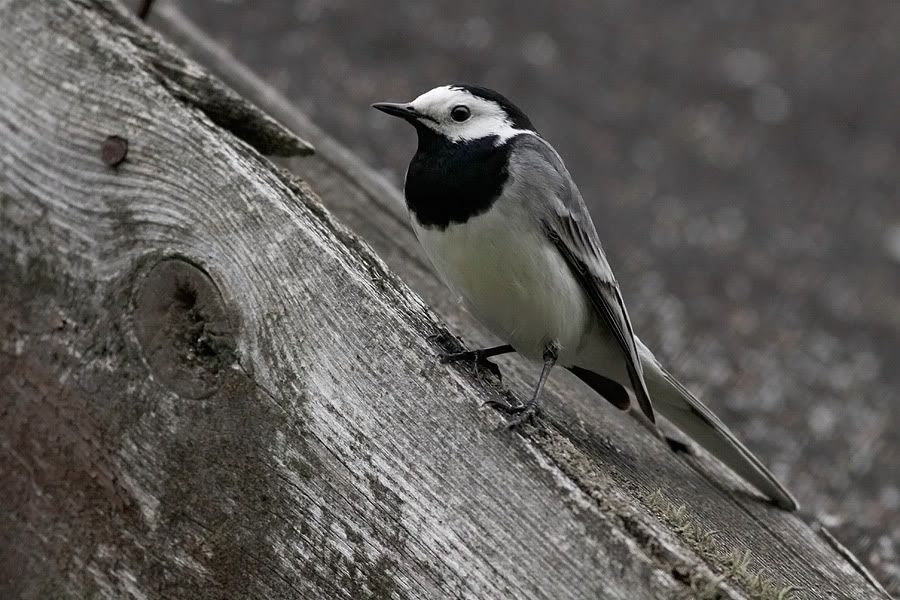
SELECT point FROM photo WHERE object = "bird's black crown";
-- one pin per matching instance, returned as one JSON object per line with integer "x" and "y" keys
{"x": 518, "y": 118}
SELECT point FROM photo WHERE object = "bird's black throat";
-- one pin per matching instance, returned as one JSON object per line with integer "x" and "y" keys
{"x": 450, "y": 182}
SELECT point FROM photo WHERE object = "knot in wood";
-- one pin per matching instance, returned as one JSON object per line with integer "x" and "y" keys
{"x": 184, "y": 329}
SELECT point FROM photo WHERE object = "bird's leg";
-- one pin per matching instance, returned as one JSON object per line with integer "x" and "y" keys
{"x": 479, "y": 357}
{"x": 532, "y": 408}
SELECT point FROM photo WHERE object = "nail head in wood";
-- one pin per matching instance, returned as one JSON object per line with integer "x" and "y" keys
{"x": 114, "y": 150}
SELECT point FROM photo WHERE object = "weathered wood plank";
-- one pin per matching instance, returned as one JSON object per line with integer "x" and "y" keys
{"x": 377, "y": 214}
{"x": 211, "y": 388}
{"x": 374, "y": 209}
{"x": 316, "y": 449}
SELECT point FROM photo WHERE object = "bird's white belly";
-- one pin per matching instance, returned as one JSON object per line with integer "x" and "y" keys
{"x": 513, "y": 280}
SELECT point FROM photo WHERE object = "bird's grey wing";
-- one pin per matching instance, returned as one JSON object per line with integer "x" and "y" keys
{"x": 558, "y": 205}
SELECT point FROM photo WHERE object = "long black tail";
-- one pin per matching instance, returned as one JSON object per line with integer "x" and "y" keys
{"x": 673, "y": 401}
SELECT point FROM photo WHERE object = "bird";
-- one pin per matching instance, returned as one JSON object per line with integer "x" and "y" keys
{"x": 504, "y": 225}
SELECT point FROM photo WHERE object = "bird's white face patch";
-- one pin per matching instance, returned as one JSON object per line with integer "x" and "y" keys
{"x": 486, "y": 117}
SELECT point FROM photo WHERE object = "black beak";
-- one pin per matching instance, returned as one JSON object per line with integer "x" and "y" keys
{"x": 404, "y": 111}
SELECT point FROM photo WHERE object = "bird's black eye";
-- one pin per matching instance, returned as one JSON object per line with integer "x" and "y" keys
{"x": 459, "y": 113}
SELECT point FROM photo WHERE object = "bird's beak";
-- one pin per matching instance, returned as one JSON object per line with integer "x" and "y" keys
{"x": 404, "y": 111}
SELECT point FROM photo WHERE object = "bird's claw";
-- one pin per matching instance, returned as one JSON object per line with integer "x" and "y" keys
{"x": 519, "y": 413}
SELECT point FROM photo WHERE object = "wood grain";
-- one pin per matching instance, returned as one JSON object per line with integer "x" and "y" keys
{"x": 211, "y": 388}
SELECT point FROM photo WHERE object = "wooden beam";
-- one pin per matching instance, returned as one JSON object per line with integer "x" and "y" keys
{"x": 210, "y": 387}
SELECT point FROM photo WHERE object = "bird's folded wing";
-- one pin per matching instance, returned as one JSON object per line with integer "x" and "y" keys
{"x": 568, "y": 225}
{"x": 585, "y": 257}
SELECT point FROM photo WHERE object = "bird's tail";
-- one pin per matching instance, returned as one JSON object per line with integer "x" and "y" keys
{"x": 673, "y": 401}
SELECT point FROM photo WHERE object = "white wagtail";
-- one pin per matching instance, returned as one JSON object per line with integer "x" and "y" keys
{"x": 506, "y": 228}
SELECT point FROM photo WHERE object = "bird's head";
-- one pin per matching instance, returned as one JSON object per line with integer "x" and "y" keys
{"x": 461, "y": 113}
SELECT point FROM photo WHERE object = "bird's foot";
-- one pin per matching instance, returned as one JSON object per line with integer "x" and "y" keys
{"x": 518, "y": 414}
{"x": 447, "y": 341}
{"x": 477, "y": 357}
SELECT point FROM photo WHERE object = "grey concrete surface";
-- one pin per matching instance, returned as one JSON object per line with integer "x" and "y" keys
{"x": 741, "y": 160}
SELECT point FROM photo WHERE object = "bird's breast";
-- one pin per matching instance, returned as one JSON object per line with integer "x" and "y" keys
{"x": 511, "y": 278}
{"x": 448, "y": 183}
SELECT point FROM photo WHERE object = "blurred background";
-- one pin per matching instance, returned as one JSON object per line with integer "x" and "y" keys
{"x": 741, "y": 160}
